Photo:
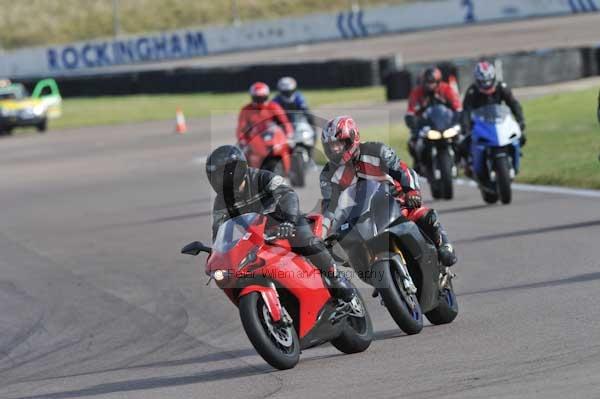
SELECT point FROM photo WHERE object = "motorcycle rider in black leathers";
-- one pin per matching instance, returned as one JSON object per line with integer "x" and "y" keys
{"x": 487, "y": 91}
{"x": 241, "y": 190}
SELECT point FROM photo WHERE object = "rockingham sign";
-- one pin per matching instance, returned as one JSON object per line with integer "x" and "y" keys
{"x": 165, "y": 46}
{"x": 132, "y": 52}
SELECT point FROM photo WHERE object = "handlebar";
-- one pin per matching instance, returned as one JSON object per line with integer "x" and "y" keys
{"x": 269, "y": 238}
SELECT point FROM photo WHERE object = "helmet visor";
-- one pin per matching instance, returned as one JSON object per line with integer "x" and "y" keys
{"x": 227, "y": 180}
{"x": 287, "y": 93}
{"x": 336, "y": 149}
{"x": 486, "y": 84}
{"x": 259, "y": 99}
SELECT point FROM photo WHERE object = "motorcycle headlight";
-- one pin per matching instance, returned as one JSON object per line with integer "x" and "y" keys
{"x": 434, "y": 135}
{"x": 219, "y": 275}
{"x": 449, "y": 133}
{"x": 307, "y": 134}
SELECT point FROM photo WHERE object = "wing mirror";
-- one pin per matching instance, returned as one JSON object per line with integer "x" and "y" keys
{"x": 194, "y": 248}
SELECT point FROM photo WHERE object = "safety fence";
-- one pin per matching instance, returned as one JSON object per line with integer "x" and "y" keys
{"x": 520, "y": 69}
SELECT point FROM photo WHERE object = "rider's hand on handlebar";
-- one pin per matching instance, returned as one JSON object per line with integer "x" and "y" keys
{"x": 412, "y": 199}
{"x": 285, "y": 230}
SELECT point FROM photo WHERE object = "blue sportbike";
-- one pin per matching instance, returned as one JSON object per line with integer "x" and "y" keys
{"x": 495, "y": 151}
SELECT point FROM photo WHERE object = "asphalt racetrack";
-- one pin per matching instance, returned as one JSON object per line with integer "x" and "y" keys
{"x": 96, "y": 301}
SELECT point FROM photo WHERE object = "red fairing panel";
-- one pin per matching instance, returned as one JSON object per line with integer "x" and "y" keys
{"x": 270, "y": 297}
{"x": 302, "y": 279}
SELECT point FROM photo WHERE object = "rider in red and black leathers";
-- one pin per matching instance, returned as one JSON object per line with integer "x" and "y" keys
{"x": 349, "y": 160}
{"x": 257, "y": 116}
{"x": 431, "y": 91}
{"x": 241, "y": 190}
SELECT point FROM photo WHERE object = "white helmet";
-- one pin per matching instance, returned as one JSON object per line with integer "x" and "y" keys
{"x": 287, "y": 86}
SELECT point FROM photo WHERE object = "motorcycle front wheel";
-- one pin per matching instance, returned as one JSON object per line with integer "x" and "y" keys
{"x": 403, "y": 307}
{"x": 298, "y": 172}
{"x": 503, "y": 179}
{"x": 445, "y": 163}
{"x": 277, "y": 344}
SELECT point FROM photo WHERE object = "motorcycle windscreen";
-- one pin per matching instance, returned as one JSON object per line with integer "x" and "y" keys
{"x": 494, "y": 125}
{"x": 439, "y": 117}
{"x": 234, "y": 230}
{"x": 365, "y": 208}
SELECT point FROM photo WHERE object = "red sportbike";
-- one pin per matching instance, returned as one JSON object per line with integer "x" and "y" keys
{"x": 283, "y": 301}
{"x": 269, "y": 149}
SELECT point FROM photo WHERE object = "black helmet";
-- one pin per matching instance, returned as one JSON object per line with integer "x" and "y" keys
{"x": 431, "y": 78}
{"x": 226, "y": 169}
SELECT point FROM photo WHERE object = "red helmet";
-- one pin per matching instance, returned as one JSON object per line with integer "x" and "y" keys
{"x": 341, "y": 139}
{"x": 259, "y": 92}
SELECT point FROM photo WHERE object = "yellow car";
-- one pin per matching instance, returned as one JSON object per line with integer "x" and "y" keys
{"x": 18, "y": 109}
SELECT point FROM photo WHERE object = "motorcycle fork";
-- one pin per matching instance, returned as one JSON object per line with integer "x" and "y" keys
{"x": 407, "y": 280}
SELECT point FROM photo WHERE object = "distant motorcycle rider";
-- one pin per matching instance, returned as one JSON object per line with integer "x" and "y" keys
{"x": 291, "y": 99}
{"x": 257, "y": 116}
{"x": 349, "y": 160}
{"x": 431, "y": 91}
{"x": 241, "y": 190}
{"x": 487, "y": 90}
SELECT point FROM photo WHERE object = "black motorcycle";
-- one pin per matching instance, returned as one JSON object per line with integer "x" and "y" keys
{"x": 436, "y": 149}
{"x": 392, "y": 254}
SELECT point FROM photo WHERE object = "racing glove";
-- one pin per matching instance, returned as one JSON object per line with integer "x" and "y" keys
{"x": 411, "y": 121}
{"x": 523, "y": 139}
{"x": 412, "y": 199}
{"x": 286, "y": 230}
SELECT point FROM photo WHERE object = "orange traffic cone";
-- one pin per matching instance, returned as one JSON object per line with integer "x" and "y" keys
{"x": 180, "y": 126}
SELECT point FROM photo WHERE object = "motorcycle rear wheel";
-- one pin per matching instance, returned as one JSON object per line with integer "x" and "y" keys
{"x": 357, "y": 333}
{"x": 489, "y": 198}
{"x": 277, "y": 345}
{"x": 447, "y": 309}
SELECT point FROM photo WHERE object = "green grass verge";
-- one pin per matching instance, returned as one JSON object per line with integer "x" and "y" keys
{"x": 40, "y": 22}
{"x": 563, "y": 140}
{"x": 139, "y": 108}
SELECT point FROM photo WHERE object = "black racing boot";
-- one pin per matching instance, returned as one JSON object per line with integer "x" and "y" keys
{"x": 432, "y": 227}
{"x": 446, "y": 253}
{"x": 339, "y": 286}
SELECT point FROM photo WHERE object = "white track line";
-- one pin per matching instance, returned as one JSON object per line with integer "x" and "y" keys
{"x": 578, "y": 192}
